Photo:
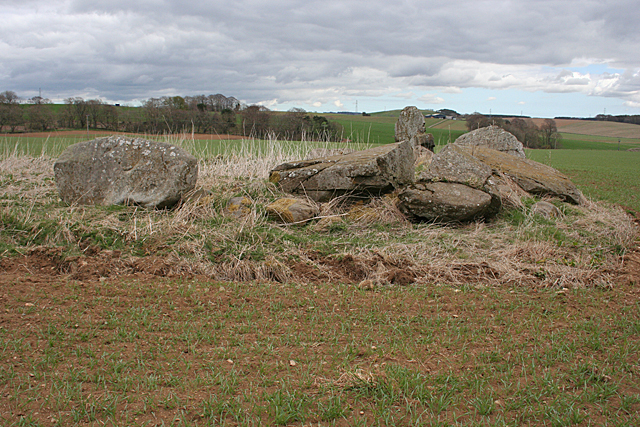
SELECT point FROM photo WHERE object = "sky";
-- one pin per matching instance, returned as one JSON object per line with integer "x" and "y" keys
{"x": 517, "y": 57}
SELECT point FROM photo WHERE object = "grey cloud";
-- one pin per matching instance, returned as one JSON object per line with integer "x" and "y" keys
{"x": 259, "y": 49}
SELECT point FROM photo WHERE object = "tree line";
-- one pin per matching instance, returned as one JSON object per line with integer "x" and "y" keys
{"x": 212, "y": 114}
{"x": 532, "y": 136}
{"x": 632, "y": 119}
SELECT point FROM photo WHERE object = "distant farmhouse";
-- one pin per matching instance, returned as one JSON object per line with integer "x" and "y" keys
{"x": 444, "y": 114}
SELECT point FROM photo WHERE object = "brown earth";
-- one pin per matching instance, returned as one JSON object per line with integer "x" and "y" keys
{"x": 42, "y": 292}
{"x": 43, "y": 265}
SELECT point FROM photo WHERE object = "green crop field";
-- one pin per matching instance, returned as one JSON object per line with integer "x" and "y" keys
{"x": 603, "y": 175}
{"x": 574, "y": 141}
{"x": 380, "y": 128}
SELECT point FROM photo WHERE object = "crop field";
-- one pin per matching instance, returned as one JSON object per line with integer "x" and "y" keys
{"x": 583, "y": 142}
{"x": 599, "y": 128}
{"x": 379, "y": 129}
{"x": 603, "y": 175}
{"x": 123, "y": 316}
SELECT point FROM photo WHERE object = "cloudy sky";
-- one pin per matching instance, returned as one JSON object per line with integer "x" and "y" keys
{"x": 533, "y": 57}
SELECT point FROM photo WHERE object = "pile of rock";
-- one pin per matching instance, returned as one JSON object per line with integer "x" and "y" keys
{"x": 474, "y": 178}
{"x": 470, "y": 179}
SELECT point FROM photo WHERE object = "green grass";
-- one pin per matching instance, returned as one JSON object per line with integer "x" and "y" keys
{"x": 608, "y": 175}
{"x": 592, "y": 142}
{"x": 196, "y": 353}
{"x": 380, "y": 128}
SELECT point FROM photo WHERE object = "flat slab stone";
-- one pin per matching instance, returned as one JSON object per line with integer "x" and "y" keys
{"x": 454, "y": 164}
{"x": 365, "y": 173}
{"x": 533, "y": 177}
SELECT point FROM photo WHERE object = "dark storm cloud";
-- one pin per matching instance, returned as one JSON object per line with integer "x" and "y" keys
{"x": 308, "y": 51}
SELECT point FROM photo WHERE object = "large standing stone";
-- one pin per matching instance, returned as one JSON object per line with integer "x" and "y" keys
{"x": 123, "y": 170}
{"x": 411, "y": 126}
{"x": 364, "y": 173}
{"x": 492, "y": 137}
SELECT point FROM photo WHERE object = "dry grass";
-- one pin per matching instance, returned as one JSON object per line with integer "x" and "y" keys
{"x": 582, "y": 248}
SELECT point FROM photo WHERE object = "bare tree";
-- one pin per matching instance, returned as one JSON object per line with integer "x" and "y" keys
{"x": 229, "y": 122}
{"x": 477, "y": 121}
{"x": 255, "y": 121}
{"x": 94, "y": 111}
{"x": 11, "y": 116}
{"x": 9, "y": 97}
{"x": 37, "y": 100}
{"x": 40, "y": 117}
{"x": 525, "y": 130}
{"x": 109, "y": 117}
{"x": 549, "y": 135}
{"x": 76, "y": 111}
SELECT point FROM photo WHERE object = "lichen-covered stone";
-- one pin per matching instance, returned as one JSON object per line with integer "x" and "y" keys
{"x": 317, "y": 153}
{"x": 447, "y": 202}
{"x": 364, "y": 173}
{"x": 411, "y": 126}
{"x": 454, "y": 164}
{"x": 533, "y": 177}
{"x": 123, "y": 170}
{"x": 292, "y": 210}
{"x": 492, "y": 137}
{"x": 238, "y": 207}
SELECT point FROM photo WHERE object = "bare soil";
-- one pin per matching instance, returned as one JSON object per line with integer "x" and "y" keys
{"x": 40, "y": 291}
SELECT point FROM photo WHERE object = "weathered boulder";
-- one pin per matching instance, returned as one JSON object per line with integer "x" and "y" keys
{"x": 238, "y": 207}
{"x": 545, "y": 209}
{"x": 123, "y": 170}
{"x": 364, "y": 173}
{"x": 292, "y": 210}
{"x": 454, "y": 164}
{"x": 423, "y": 158}
{"x": 492, "y": 137}
{"x": 451, "y": 189}
{"x": 446, "y": 202}
{"x": 411, "y": 126}
{"x": 533, "y": 177}
{"x": 503, "y": 187}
